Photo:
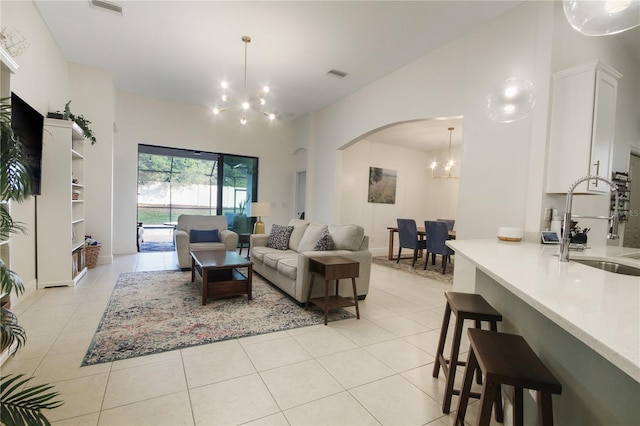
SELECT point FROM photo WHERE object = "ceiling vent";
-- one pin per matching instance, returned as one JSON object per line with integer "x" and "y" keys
{"x": 337, "y": 73}
{"x": 107, "y": 6}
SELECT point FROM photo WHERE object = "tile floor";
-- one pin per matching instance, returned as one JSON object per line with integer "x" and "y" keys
{"x": 376, "y": 370}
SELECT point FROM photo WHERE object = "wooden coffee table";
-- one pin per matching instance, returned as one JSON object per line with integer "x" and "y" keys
{"x": 220, "y": 274}
{"x": 330, "y": 268}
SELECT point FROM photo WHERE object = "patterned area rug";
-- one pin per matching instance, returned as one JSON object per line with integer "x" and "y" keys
{"x": 152, "y": 312}
{"x": 433, "y": 272}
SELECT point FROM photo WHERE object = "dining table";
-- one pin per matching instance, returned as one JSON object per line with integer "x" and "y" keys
{"x": 421, "y": 235}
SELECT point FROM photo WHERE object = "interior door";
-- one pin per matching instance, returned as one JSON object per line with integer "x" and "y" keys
{"x": 301, "y": 193}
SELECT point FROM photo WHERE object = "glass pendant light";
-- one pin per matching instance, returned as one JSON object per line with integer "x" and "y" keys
{"x": 602, "y": 17}
{"x": 512, "y": 101}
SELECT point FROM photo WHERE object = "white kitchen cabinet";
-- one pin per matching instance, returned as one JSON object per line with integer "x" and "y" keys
{"x": 582, "y": 125}
{"x": 60, "y": 214}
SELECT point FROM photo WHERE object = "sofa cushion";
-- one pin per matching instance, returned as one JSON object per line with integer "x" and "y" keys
{"x": 279, "y": 237}
{"x": 204, "y": 236}
{"x": 311, "y": 236}
{"x": 188, "y": 222}
{"x": 289, "y": 267}
{"x": 258, "y": 252}
{"x": 325, "y": 242}
{"x": 272, "y": 259}
{"x": 299, "y": 226}
{"x": 207, "y": 246}
{"x": 346, "y": 237}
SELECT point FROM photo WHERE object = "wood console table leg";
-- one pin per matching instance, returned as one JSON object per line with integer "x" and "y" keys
{"x": 355, "y": 297}
{"x": 391, "y": 231}
{"x": 306, "y": 305}
{"x": 326, "y": 301}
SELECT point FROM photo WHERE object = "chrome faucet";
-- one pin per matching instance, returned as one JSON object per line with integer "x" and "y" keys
{"x": 613, "y": 219}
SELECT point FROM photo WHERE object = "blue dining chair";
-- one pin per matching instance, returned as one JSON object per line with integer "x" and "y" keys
{"x": 449, "y": 222}
{"x": 437, "y": 233}
{"x": 408, "y": 234}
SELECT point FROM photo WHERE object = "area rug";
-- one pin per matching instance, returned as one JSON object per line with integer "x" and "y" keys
{"x": 152, "y": 312}
{"x": 157, "y": 246}
{"x": 433, "y": 272}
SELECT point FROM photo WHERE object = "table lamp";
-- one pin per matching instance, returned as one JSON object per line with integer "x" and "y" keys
{"x": 258, "y": 210}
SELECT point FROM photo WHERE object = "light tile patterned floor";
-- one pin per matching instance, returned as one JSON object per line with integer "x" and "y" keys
{"x": 376, "y": 370}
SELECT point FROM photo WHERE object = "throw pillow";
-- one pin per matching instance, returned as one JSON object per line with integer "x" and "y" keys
{"x": 325, "y": 242}
{"x": 204, "y": 236}
{"x": 311, "y": 236}
{"x": 279, "y": 237}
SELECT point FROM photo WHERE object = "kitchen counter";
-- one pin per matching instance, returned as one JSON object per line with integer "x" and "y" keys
{"x": 582, "y": 322}
{"x": 601, "y": 309}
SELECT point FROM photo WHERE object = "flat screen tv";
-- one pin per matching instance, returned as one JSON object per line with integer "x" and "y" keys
{"x": 27, "y": 124}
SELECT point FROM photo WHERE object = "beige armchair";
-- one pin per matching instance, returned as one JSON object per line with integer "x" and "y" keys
{"x": 182, "y": 236}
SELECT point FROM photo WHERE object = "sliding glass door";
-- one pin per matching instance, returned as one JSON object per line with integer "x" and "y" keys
{"x": 174, "y": 181}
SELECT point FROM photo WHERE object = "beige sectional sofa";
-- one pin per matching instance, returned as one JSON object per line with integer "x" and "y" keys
{"x": 289, "y": 269}
{"x": 228, "y": 240}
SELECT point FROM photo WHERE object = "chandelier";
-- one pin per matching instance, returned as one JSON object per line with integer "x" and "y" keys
{"x": 448, "y": 166}
{"x": 257, "y": 103}
{"x": 600, "y": 17}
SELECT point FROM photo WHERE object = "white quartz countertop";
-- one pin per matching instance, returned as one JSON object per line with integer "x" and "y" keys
{"x": 601, "y": 309}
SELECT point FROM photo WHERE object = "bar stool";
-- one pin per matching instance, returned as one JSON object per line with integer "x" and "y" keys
{"x": 506, "y": 359}
{"x": 464, "y": 306}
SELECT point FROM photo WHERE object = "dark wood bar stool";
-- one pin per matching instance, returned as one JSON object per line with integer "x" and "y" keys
{"x": 506, "y": 359}
{"x": 464, "y": 306}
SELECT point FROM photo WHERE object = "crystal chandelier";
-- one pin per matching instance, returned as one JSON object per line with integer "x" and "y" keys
{"x": 448, "y": 166}
{"x": 257, "y": 103}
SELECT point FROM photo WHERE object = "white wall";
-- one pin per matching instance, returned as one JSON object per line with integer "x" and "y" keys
{"x": 152, "y": 121}
{"x": 42, "y": 81}
{"x": 453, "y": 80}
{"x": 418, "y": 196}
{"x": 93, "y": 94}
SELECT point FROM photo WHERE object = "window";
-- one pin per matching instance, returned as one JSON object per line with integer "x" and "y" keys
{"x": 174, "y": 181}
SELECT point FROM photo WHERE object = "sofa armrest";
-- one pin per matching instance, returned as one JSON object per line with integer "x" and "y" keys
{"x": 181, "y": 242}
{"x": 229, "y": 238}
{"x": 180, "y": 237}
{"x": 256, "y": 240}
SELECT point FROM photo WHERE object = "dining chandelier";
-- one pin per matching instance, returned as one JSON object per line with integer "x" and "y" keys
{"x": 448, "y": 166}
{"x": 256, "y": 103}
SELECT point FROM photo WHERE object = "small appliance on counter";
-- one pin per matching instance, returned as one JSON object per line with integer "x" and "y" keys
{"x": 510, "y": 234}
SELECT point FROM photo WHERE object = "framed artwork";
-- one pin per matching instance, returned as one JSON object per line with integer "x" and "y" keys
{"x": 382, "y": 185}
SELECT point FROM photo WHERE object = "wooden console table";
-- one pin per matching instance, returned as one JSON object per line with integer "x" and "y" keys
{"x": 330, "y": 268}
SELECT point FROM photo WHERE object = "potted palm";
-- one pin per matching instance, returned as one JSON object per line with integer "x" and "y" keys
{"x": 19, "y": 403}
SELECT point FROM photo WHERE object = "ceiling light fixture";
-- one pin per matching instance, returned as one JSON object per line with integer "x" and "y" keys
{"x": 259, "y": 101}
{"x": 602, "y": 17}
{"x": 448, "y": 166}
{"x": 511, "y": 101}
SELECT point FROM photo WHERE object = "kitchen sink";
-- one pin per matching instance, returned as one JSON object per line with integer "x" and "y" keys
{"x": 609, "y": 266}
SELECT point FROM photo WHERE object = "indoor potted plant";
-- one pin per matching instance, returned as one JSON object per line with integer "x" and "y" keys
{"x": 19, "y": 403}
{"x": 80, "y": 120}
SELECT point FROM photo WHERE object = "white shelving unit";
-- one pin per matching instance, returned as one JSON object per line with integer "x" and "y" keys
{"x": 7, "y": 67}
{"x": 60, "y": 213}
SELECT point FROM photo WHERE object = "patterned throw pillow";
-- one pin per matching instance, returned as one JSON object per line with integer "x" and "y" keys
{"x": 325, "y": 242}
{"x": 279, "y": 237}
